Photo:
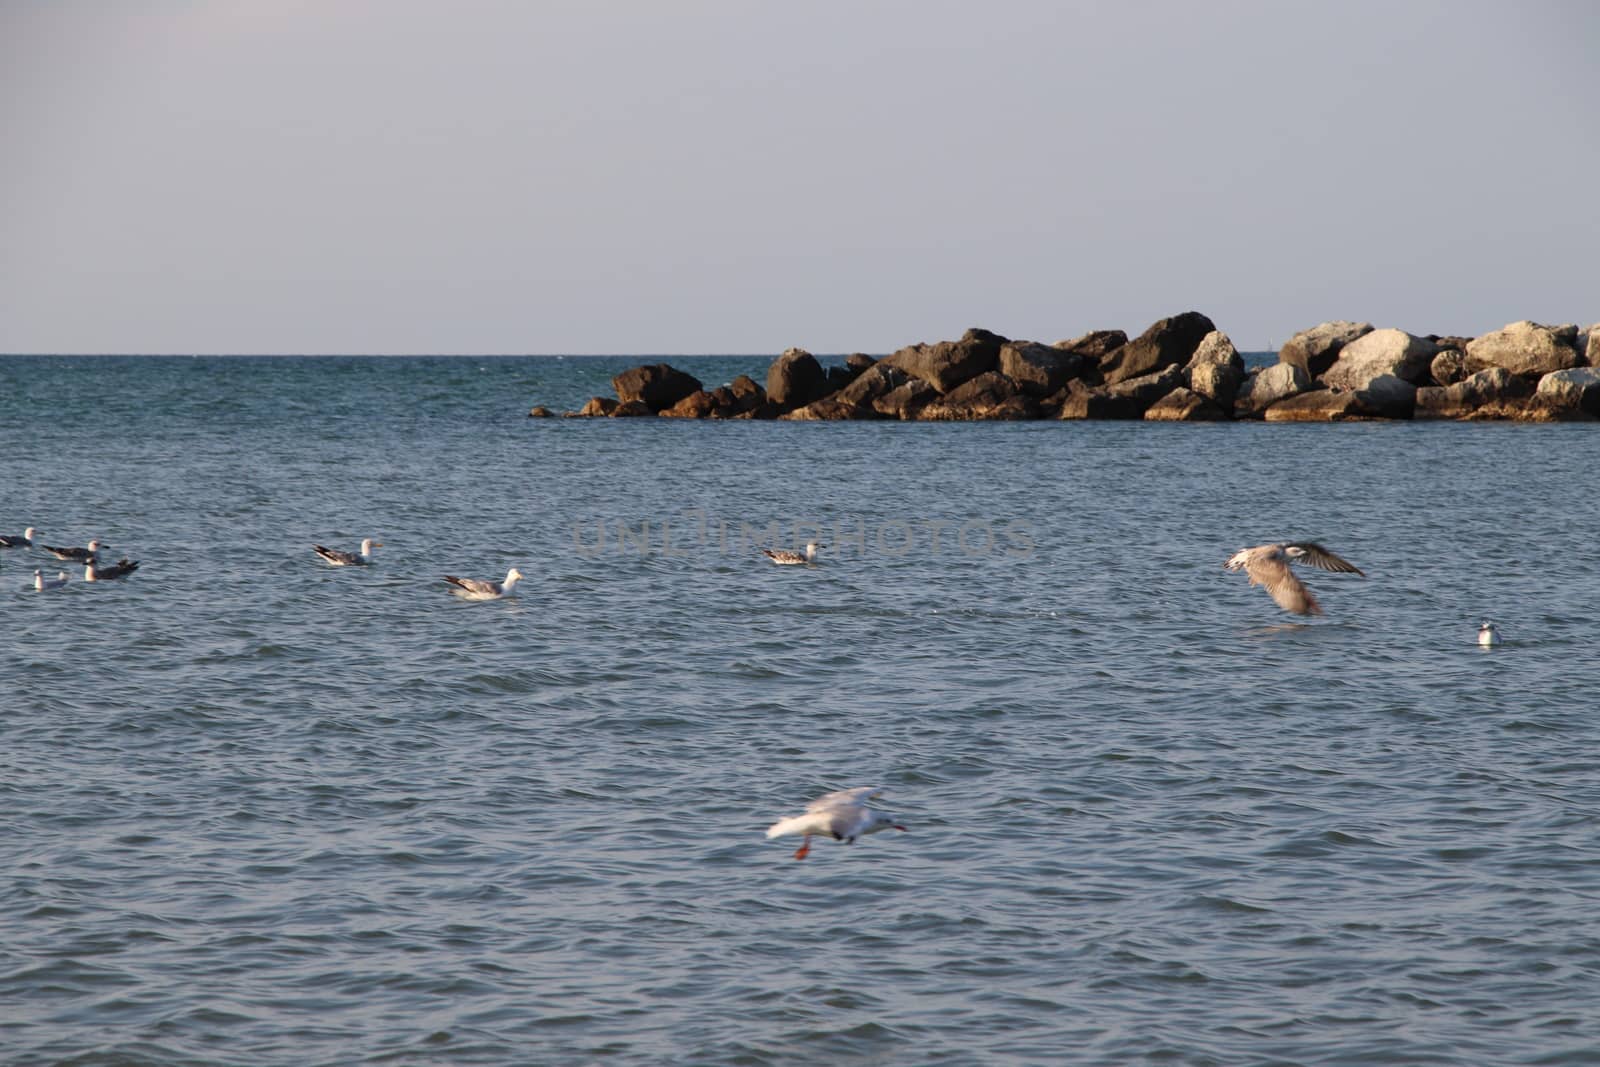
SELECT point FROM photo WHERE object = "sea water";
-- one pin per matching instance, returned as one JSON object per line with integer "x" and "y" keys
{"x": 258, "y": 810}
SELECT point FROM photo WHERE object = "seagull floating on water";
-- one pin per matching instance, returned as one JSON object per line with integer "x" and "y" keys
{"x": 1268, "y": 566}
{"x": 477, "y": 589}
{"x": 92, "y": 572}
{"x": 339, "y": 558}
{"x": 41, "y": 583}
{"x": 78, "y": 555}
{"x": 25, "y": 541}
{"x": 844, "y": 816}
{"x": 1488, "y": 635}
{"x": 783, "y": 557}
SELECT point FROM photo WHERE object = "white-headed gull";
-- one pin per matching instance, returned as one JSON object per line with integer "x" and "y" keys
{"x": 1268, "y": 566}
{"x": 339, "y": 558}
{"x": 477, "y": 589}
{"x": 78, "y": 555}
{"x": 25, "y": 541}
{"x": 783, "y": 557}
{"x": 93, "y": 572}
{"x": 1488, "y": 635}
{"x": 843, "y": 816}
{"x": 41, "y": 583}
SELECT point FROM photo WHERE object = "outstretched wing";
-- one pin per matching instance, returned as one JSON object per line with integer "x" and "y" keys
{"x": 845, "y": 798}
{"x": 1314, "y": 555}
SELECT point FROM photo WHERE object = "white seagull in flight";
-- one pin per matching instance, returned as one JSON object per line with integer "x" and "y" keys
{"x": 844, "y": 816}
{"x": 1268, "y": 567}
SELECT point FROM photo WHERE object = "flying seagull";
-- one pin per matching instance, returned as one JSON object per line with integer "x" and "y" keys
{"x": 785, "y": 558}
{"x": 93, "y": 572}
{"x": 77, "y": 555}
{"x": 476, "y": 589}
{"x": 338, "y": 558}
{"x": 844, "y": 816}
{"x": 25, "y": 541}
{"x": 1268, "y": 567}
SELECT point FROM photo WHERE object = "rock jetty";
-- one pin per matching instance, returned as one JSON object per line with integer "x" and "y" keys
{"x": 1181, "y": 369}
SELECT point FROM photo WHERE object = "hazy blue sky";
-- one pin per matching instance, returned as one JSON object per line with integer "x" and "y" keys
{"x": 350, "y": 176}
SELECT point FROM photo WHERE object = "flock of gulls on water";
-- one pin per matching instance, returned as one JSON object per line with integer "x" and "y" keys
{"x": 88, "y": 556}
{"x": 844, "y": 815}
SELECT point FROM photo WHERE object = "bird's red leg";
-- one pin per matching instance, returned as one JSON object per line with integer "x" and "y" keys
{"x": 805, "y": 847}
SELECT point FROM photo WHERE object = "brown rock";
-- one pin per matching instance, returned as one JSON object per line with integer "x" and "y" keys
{"x": 1184, "y": 405}
{"x": 630, "y": 409}
{"x": 1167, "y": 342}
{"x": 1319, "y": 405}
{"x": 871, "y": 384}
{"x": 598, "y": 406}
{"x": 1095, "y": 345}
{"x": 990, "y": 395}
{"x": 658, "y": 386}
{"x": 858, "y": 362}
{"x": 1038, "y": 370}
{"x": 540, "y": 412}
{"x": 694, "y": 406}
{"x": 1577, "y": 389}
{"x": 904, "y": 401}
{"x": 1098, "y": 402}
{"x": 795, "y": 379}
{"x": 947, "y": 364}
{"x": 829, "y": 409}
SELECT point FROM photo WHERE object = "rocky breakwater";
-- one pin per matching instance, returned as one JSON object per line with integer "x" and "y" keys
{"x": 1181, "y": 369}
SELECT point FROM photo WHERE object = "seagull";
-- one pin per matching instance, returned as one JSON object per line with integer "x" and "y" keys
{"x": 339, "y": 558}
{"x": 843, "y": 815}
{"x": 120, "y": 569}
{"x": 1488, "y": 635}
{"x": 77, "y": 555}
{"x": 785, "y": 558}
{"x": 476, "y": 589}
{"x": 41, "y": 583}
{"x": 1268, "y": 566}
{"x": 25, "y": 541}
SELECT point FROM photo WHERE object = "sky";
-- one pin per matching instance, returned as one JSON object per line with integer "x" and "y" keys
{"x": 743, "y": 176}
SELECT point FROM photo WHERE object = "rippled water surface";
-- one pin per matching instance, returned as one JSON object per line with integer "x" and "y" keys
{"x": 256, "y": 810}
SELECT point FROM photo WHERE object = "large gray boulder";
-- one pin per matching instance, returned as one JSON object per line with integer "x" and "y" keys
{"x": 657, "y": 386}
{"x": 1459, "y": 399}
{"x": 1448, "y": 366}
{"x": 1269, "y": 385}
{"x": 795, "y": 379}
{"x": 1039, "y": 370}
{"x": 947, "y": 364}
{"x": 1216, "y": 370}
{"x": 1167, "y": 342}
{"x": 1577, "y": 389}
{"x": 1372, "y": 355}
{"x": 1525, "y": 348}
{"x": 1315, "y": 350}
{"x": 1388, "y": 397}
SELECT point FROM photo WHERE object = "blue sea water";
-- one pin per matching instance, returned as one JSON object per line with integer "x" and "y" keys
{"x": 257, "y": 810}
